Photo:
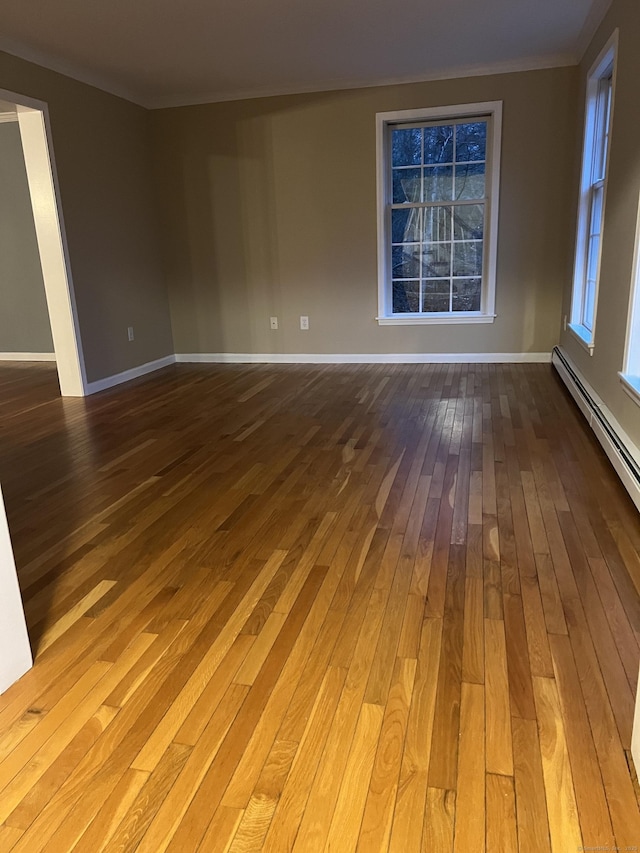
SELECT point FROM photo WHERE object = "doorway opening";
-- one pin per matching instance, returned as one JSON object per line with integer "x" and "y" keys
{"x": 33, "y": 122}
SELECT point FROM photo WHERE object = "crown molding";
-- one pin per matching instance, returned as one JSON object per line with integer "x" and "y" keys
{"x": 595, "y": 17}
{"x": 535, "y": 63}
{"x": 105, "y": 84}
{"x": 69, "y": 69}
{"x": 7, "y": 117}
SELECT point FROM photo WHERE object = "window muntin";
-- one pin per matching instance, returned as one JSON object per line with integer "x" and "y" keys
{"x": 600, "y": 87}
{"x": 435, "y": 215}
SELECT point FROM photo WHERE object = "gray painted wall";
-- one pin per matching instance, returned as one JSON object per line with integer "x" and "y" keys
{"x": 269, "y": 208}
{"x": 101, "y": 146}
{"x": 24, "y": 319}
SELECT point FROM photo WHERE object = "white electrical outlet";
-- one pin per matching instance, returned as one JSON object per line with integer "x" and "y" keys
{"x": 130, "y": 332}
{"x": 304, "y": 322}
{"x": 274, "y": 322}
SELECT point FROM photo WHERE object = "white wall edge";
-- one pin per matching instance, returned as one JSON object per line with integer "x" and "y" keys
{"x": 128, "y": 375}
{"x": 27, "y": 356}
{"x": 364, "y": 358}
{"x": 15, "y": 651}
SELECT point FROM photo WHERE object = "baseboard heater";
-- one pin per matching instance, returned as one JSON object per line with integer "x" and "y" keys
{"x": 623, "y": 455}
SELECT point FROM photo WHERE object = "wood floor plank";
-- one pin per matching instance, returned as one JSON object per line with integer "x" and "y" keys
{"x": 502, "y": 830}
{"x": 446, "y": 723}
{"x": 322, "y": 796}
{"x": 439, "y": 820}
{"x": 9, "y": 837}
{"x": 470, "y": 795}
{"x": 473, "y": 642}
{"x": 152, "y": 751}
{"x": 587, "y": 779}
{"x": 406, "y": 832}
{"x": 350, "y": 804}
{"x": 564, "y": 824}
{"x": 141, "y": 812}
{"x": 531, "y": 805}
{"x": 42, "y": 790}
{"x": 498, "y": 713}
{"x": 106, "y": 822}
{"x": 518, "y": 660}
{"x": 169, "y": 815}
{"x": 381, "y": 799}
{"x": 222, "y": 829}
{"x": 238, "y": 792}
{"x": 535, "y": 628}
{"x": 258, "y": 815}
{"x": 550, "y": 594}
{"x": 47, "y": 753}
{"x": 282, "y": 831}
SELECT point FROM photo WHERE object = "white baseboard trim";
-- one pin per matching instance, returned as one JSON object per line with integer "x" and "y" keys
{"x": 127, "y": 375}
{"x": 623, "y": 454}
{"x": 362, "y": 358}
{"x": 316, "y": 358}
{"x": 27, "y": 356}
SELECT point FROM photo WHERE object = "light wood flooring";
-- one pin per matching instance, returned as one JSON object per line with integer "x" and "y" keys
{"x": 318, "y": 608}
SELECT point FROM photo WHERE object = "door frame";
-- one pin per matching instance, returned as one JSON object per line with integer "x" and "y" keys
{"x": 37, "y": 146}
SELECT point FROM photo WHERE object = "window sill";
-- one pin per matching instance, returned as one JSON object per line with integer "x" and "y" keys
{"x": 583, "y": 336}
{"x": 441, "y": 319}
{"x": 631, "y": 385}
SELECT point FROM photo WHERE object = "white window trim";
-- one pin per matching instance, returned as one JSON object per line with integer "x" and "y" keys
{"x": 383, "y": 120}
{"x": 630, "y": 373}
{"x": 607, "y": 57}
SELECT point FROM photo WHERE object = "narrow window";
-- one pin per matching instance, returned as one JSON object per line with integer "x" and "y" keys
{"x": 595, "y": 161}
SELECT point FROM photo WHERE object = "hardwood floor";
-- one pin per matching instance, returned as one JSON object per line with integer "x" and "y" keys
{"x": 318, "y": 608}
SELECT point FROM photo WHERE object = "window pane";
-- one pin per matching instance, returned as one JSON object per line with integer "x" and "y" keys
{"x": 597, "y": 195}
{"x": 601, "y": 130}
{"x": 589, "y": 303}
{"x": 406, "y": 147}
{"x": 438, "y": 144}
{"x": 466, "y": 294}
{"x": 406, "y": 185}
{"x": 471, "y": 141}
{"x": 468, "y": 221}
{"x": 436, "y": 224}
{"x": 406, "y": 297}
{"x": 436, "y": 296}
{"x": 438, "y": 183}
{"x": 467, "y": 258}
{"x": 405, "y": 262}
{"x": 592, "y": 257}
{"x": 436, "y": 260}
{"x": 470, "y": 181}
{"x": 405, "y": 225}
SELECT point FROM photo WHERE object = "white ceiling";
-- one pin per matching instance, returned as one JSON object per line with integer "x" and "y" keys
{"x": 164, "y": 52}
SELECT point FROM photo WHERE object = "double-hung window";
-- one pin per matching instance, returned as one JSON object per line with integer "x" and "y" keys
{"x": 593, "y": 187}
{"x": 437, "y": 214}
